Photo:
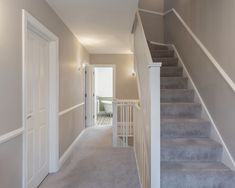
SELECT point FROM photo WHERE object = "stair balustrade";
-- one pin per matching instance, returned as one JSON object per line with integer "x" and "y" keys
{"x": 147, "y": 113}
{"x": 123, "y": 122}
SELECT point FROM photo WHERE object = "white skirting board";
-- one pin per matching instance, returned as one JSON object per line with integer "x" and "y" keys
{"x": 69, "y": 150}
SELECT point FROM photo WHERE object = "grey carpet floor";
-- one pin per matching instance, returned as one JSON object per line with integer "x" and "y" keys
{"x": 95, "y": 164}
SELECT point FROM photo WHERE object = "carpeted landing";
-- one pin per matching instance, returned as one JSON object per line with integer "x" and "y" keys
{"x": 95, "y": 164}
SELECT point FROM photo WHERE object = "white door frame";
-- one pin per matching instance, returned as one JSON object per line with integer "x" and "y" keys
{"x": 32, "y": 24}
{"x": 114, "y": 77}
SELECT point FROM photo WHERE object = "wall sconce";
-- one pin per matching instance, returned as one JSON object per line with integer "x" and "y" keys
{"x": 133, "y": 73}
{"x": 81, "y": 67}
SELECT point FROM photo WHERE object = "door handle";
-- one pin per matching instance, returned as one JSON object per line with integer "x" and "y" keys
{"x": 28, "y": 117}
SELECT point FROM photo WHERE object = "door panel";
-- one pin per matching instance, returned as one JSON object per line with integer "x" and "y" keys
{"x": 89, "y": 96}
{"x": 37, "y": 100}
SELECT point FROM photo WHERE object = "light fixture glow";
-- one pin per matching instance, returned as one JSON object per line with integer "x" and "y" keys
{"x": 89, "y": 41}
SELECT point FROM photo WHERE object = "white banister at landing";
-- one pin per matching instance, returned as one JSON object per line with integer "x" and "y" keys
{"x": 123, "y": 122}
{"x": 147, "y": 114}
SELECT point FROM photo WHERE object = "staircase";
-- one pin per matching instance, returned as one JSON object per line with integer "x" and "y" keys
{"x": 189, "y": 158}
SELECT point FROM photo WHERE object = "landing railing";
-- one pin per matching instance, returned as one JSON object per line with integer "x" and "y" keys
{"x": 123, "y": 122}
{"x": 147, "y": 113}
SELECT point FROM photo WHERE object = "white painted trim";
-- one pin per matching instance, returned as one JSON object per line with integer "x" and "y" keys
{"x": 227, "y": 157}
{"x": 159, "y": 43}
{"x": 31, "y": 23}
{"x": 137, "y": 166}
{"x": 93, "y": 85}
{"x": 151, "y": 12}
{"x": 11, "y": 135}
{"x": 70, "y": 149}
{"x": 72, "y": 108}
{"x": 200, "y": 44}
{"x": 151, "y": 65}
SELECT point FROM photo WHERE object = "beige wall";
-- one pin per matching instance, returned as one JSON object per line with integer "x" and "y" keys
{"x": 126, "y": 85}
{"x": 71, "y": 53}
{"x": 213, "y": 23}
{"x": 153, "y": 26}
{"x": 152, "y": 23}
{"x": 11, "y": 163}
{"x": 155, "y": 5}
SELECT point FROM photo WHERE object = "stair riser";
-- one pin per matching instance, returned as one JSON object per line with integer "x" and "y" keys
{"x": 183, "y": 130}
{"x": 174, "y": 83}
{"x": 181, "y": 110}
{"x": 177, "y": 95}
{"x": 162, "y": 53}
{"x": 171, "y": 71}
{"x": 170, "y": 62}
{"x": 194, "y": 153}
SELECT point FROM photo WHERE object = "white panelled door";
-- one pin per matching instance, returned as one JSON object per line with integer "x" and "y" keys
{"x": 90, "y": 96}
{"x": 37, "y": 109}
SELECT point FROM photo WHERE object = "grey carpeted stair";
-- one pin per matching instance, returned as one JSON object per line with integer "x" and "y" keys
{"x": 174, "y": 82}
{"x": 190, "y": 149}
{"x": 167, "y": 62}
{"x": 177, "y": 95}
{"x": 196, "y": 175}
{"x": 191, "y": 110}
{"x": 171, "y": 71}
{"x": 185, "y": 128}
{"x": 190, "y": 159}
{"x": 162, "y": 53}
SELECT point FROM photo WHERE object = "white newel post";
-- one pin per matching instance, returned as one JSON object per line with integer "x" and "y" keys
{"x": 154, "y": 81}
{"x": 114, "y": 124}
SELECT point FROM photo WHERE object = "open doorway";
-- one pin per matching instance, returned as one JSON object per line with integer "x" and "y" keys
{"x": 103, "y": 78}
{"x": 100, "y": 92}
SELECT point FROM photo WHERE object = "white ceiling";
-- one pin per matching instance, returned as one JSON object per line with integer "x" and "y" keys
{"x": 102, "y": 26}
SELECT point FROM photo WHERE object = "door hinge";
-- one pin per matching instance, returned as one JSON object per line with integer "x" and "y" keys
{"x": 86, "y": 95}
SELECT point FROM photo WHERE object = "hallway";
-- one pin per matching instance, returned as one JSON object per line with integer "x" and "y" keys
{"x": 95, "y": 164}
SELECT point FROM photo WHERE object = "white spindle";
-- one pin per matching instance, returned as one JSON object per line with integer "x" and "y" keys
{"x": 114, "y": 124}
{"x": 123, "y": 122}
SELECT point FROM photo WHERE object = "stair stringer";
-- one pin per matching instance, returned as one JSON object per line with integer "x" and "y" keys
{"x": 227, "y": 158}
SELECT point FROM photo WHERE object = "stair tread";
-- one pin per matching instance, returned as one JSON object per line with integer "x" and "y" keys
{"x": 163, "y": 50}
{"x": 176, "y": 67}
{"x": 180, "y": 103}
{"x": 185, "y": 128}
{"x": 185, "y": 120}
{"x": 196, "y": 175}
{"x": 175, "y": 77}
{"x": 159, "y": 59}
{"x": 189, "y": 142}
{"x": 185, "y": 167}
{"x": 183, "y": 89}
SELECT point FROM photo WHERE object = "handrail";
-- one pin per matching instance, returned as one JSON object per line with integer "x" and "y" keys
{"x": 147, "y": 114}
